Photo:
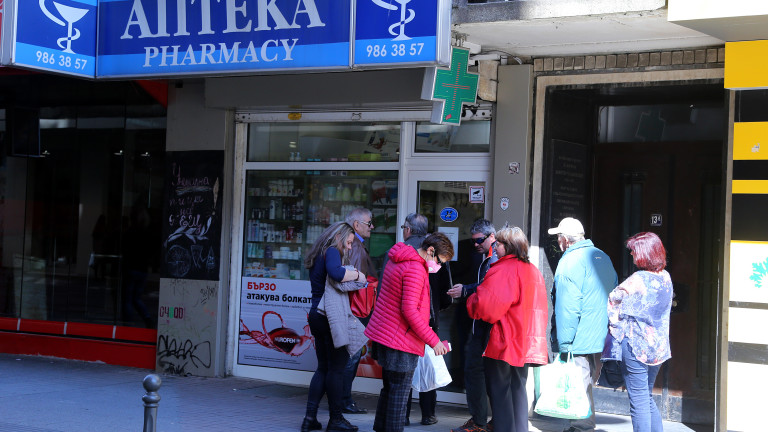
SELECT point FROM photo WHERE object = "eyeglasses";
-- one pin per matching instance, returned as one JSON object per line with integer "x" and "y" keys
{"x": 369, "y": 223}
{"x": 480, "y": 240}
{"x": 405, "y": 226}
{"x": 437, "y": 259}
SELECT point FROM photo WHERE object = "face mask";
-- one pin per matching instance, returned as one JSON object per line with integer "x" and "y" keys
{"x": 433, "y": 266}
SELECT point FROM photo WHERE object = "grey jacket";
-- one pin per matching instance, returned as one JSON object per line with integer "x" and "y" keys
{"x": 346, "y": 329}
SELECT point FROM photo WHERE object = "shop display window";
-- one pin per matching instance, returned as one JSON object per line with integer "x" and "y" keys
{"x": 81, "y": 187}
{"x": 324, "y": 142}
{"x": 470, "y": 137}
{"x": 285, "y": 212}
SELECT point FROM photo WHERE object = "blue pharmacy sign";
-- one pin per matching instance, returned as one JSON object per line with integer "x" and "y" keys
{"x": 52, "y": 35}
{"x": 157, "y": 38}
{"x": 396, "y": 32}
{"x": 175, "y": 37}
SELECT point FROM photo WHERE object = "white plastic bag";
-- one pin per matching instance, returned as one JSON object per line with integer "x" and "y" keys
{"x": 562, "y": 391}
{"x": 431, "y": 372}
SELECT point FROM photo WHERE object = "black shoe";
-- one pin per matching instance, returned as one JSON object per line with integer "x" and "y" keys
{"x": 354, "y": 409}
{"x": 340, "y": 425}
{"x": 426, "y": 421}
{"x": 310, "y": 424}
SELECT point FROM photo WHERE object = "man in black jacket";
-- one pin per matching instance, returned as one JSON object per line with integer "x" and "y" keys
{"x": 484, "y": 236}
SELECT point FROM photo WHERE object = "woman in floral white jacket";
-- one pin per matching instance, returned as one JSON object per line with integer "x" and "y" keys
{"x": 638, "y": 313}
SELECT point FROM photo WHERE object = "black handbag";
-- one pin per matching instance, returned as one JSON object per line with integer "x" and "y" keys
{"x": 610, "y": 374}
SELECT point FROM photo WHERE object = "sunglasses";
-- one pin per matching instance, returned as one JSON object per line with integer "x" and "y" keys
{"x": 369, "y": 223}
{"x": 480, "y": 240}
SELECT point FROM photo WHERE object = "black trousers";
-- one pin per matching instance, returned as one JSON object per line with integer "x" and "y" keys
{"x": 329, "y": 376}
{"x": 506, "y": 390}
{"x": 427, "y": 403}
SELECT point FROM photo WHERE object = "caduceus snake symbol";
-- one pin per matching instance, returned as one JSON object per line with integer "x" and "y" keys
{"x": 406, "y": 16}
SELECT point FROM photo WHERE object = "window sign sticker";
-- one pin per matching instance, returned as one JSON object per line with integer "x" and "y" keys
{"x": 504, "y": 203}
{"x": 477, "y": 194}
{"x": 449, "y": 214}
{"x": 453, "y": 234}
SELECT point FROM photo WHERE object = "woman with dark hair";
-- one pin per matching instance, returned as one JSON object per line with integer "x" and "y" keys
{"x": 326, "y": 259}
{"x": 399, "y": 326}
{"x": 513, "y": 299}
{"x": 638, "y": 314}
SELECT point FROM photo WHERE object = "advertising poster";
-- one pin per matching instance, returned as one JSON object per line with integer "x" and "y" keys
{"x": 57, "y": 36}
{"x": 150, "y": 37}
{"x": 273, "y": 324}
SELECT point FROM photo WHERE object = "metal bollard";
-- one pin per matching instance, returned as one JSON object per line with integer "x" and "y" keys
{"x": 151, "y": 384}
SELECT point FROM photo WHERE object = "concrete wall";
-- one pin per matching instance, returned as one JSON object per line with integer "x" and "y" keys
{"x": 512, "y": 146}
{"x": 191, "y": 124}
{"x": 193, "y": 314}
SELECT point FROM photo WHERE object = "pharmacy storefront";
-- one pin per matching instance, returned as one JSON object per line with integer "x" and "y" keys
{"x": 282, "y": 117}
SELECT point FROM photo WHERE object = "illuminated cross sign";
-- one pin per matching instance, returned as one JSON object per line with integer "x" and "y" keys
{"x": 451, "y": 88}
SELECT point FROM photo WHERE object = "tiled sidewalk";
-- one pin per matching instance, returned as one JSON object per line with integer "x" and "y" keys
{"x": 41, "y": 394}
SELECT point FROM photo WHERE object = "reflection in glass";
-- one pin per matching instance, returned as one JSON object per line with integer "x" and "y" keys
{"x": 470, "y": 137}
{"x": 79, "y": 220}
{"x": 327, "y": 142}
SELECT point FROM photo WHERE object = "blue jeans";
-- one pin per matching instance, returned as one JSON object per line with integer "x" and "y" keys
{"x": 350, "y": 372}
{"x": 639, "y": 379}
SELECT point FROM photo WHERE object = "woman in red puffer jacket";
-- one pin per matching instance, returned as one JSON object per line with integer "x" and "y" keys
{"x": 512, "y": 297}
{"x": 399, "y": 326}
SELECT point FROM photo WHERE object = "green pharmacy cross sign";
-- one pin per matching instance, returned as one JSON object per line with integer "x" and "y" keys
{"x": 450, "y": 88}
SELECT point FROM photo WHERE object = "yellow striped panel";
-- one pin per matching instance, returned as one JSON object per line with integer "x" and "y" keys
{"x": 750, "y": 187}
{"x": 750, "y": 141}
{"x": 746, "y": 64}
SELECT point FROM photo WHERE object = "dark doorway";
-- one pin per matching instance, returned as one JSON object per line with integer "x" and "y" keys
{"x": 626, "y": 159}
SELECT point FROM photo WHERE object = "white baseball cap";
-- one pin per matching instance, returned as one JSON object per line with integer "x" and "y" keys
{"x": 568, "y": 226}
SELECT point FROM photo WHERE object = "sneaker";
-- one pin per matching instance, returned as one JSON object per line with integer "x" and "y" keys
{"x": 470, "y": 426}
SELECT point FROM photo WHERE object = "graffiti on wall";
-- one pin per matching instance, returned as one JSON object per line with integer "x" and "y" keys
{"x": 175, "y": 355}
{"x": 187, "y": 327}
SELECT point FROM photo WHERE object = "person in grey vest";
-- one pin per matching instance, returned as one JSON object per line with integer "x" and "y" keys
{"x": 583, "y": 280}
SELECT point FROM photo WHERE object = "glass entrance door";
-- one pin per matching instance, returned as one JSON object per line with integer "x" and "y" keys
{"x": 451, "y": 202}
